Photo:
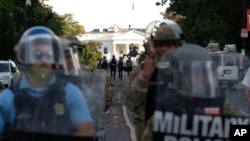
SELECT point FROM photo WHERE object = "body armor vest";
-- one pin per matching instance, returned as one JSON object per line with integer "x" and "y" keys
{"x": 46, "y": 114}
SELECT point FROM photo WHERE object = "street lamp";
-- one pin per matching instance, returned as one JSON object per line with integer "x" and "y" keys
{"x": 27, "y": 4}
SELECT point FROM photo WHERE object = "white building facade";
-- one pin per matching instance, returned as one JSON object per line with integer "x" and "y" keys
{"x": 116, "y": 43}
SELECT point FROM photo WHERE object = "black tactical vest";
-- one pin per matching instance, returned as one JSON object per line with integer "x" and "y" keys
{"x": 151, "y": 96}
{"x": 46, "y": 114}
{"x": 159, "y": 83}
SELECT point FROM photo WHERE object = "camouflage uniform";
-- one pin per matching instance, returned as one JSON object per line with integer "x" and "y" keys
{"x": 186, "y": 55}
{"x": 136, "y": 90}
{"x": 157, "y": 32}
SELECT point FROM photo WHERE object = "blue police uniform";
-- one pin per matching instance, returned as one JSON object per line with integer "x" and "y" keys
{"x": 75, "y": 104}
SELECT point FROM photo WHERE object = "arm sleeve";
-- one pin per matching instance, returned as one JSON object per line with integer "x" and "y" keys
{"x": 136, "y": 91}
{"x": 7, "y": 114}
{"x": 77, "y": 105}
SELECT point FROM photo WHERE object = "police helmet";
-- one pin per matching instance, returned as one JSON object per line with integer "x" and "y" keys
{"x": 148, "y": 36}
{"x": 39, "y": 37}
{"x": 167, "y": 31}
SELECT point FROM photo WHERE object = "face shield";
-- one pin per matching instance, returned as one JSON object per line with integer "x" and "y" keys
{"x": 195, "y": 93}
{"x": 37, "y": 49}
{"x": 76, "y": 56}
{"x": 72, "y": 66}
{"x": 196, "y": 79}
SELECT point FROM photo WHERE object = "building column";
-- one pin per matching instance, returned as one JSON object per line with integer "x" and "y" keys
{"x": 114, "y": 49}
{"x": 127, "y": 49}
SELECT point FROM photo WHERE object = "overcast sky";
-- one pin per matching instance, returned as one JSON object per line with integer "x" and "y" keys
{"x": 93, "y": 13}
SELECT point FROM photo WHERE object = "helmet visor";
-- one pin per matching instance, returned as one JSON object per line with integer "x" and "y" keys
{"x": 38, "y": 49}
{"x": 71, "y": 64}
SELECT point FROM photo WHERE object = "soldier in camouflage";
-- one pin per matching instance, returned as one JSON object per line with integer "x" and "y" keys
{"x": 87, "y": 75}
{"x": 161, "y": 37}
{"x": 186, "y": 55}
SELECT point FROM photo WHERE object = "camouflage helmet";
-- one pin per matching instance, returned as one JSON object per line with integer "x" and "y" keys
{"x": 167, "y": 31}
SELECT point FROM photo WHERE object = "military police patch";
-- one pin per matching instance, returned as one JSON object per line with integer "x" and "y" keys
{"x": 59, "y": 109}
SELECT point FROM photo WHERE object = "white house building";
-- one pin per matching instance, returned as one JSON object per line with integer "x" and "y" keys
{"x": 116, "y": 42}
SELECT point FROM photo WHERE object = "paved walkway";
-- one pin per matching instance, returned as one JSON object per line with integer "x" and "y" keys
{"x": 118, "y": 122}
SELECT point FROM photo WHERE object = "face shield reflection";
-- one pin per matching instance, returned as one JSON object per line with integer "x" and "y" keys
{"x": 71, "y": 64}
{"x": 196, "y": 79}
{"x": 77, "y": 59}
{"x": 39, "y": 50}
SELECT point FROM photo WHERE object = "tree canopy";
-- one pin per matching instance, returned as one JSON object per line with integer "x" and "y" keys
{"x": 205, "y": 20}
{"x": 70, "y": 26}
{"x": 90, "y": 53}
{"x": 16, "y": 17}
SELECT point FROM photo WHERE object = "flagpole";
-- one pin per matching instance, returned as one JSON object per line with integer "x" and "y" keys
{"x": 133, "y": 15}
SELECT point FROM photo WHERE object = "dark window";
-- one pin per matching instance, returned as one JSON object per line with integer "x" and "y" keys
{"x": 216, "y": 60}
{"x": 229, "y": 60}
{"x": 4, "y": 67}
{"x": 121, "y": 50}
{"x": 105, "y": 50}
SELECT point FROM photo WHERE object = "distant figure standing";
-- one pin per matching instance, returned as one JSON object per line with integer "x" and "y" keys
{"x": 129, "y": 65}
{"x": 112, "y": 66}
{"x": 120, "y": 67}
{"x": 104, "y": 63}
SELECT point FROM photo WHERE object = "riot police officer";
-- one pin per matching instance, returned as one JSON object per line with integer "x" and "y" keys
{"x": 43, "y": 102}
{"x": 192, "y": 98}
{"x": 112, "y": 66}
{"x": 120, "y": 67}
{"x": 92, "y": 83}
{"x": 162, "y": 36}
{"x": 104, "y": 63}
{"x": 129, "y": 65}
